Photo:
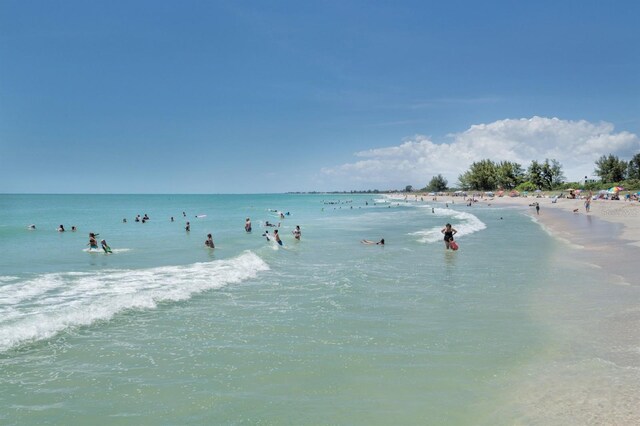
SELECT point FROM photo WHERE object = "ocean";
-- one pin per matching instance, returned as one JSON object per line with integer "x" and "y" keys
{"x": 325, "y": 330}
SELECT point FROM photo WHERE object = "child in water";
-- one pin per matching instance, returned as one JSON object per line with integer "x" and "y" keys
{"x": 105, "y": 246}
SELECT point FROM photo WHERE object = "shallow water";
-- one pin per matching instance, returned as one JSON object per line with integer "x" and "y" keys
{"x": 322, "y": 330}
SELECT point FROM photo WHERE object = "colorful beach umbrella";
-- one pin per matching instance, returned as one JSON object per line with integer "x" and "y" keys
{"x": 616, "y": 189}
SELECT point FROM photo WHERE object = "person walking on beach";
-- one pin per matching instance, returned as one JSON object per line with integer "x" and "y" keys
{"x": 247, "y": 225}
{"x": 209, "y": 241}
{"x": 537, "y": 208}
{"x": 448, "y": 232}
{"x": 587, "y": 203}
{"x": 297, "y": 233}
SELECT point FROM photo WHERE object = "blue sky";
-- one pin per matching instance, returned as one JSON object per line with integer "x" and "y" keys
{"x": 246, "y": 97}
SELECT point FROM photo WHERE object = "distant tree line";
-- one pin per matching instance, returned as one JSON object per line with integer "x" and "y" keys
{"x": 487, "y": 175}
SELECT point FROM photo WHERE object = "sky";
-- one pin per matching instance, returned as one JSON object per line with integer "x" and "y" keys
{"x": 278, "y": 96}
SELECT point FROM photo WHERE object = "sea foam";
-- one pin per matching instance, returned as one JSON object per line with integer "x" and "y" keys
{"x": 465, "y": 223}
{"x": 39, "y": 307}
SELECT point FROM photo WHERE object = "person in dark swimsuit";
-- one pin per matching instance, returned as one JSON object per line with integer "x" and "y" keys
{"x": 448, "y": 232}
{"x": 93, "y": 243}
{"x": 276, "y": 236}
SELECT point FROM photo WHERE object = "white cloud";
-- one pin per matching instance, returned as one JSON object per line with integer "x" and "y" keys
{"x": 575, "y": 144}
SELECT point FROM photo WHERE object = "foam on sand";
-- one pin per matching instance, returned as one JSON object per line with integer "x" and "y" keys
{"x": 39, "y": 307}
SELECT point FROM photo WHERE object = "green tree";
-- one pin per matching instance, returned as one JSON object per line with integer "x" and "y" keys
{"x": 534, "y": 174}
{"x": 437, "y": 184}
{"x": 610, "y": 168}
{"x": 526, "y": 186}
{"x": 481, "y": 176}
{"x": 633, "y": 169}
{"x": 408, "y": 188}
{"x": 552, "y": 174}
{"x": 509, "y": 175}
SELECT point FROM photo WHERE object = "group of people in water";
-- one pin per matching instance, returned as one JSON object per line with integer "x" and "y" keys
{"x": 297, "y": 232}
{"x": 448, "y": 231}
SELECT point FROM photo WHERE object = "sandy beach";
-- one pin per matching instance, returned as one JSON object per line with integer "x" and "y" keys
{"x": 625, "y": 213}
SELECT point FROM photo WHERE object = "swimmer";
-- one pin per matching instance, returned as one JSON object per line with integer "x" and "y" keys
{"x": 247, "y": 225}
{"x": 209, "y": 241}
{"x": 297, "y": 233}
{"x": 105, "y": 246}
{"x": 124, "y": 220}
{"x": 448, "y": 232}
{"x": 32, "y": 227}
{"x": 61, "y": 228}
{"x": 277, "y": 237}
{"x": 73, "y": 229}
{"x": 379, "y": 243}
{"x": 188, "y": 227}
{"x": 266, "y": 234}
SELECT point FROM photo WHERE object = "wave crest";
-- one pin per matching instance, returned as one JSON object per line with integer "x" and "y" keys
{"x": 465, "y": 223}
{"x": 40, "y": 307}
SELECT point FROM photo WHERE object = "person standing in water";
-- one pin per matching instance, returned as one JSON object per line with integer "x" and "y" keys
{"x": 587, "y": 203}
{"x": 276, "y": 237}
{"x": 247, "y": 225}
{"x": 448, "y": 232}
{"x": 93, "y": 243}
{"x": 297, "y": 233}
{"x": 209, "y": 241}
{"x": 188, "y": 227}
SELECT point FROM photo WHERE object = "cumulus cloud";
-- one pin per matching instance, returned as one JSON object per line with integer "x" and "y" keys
{"x": 575, "y": 144}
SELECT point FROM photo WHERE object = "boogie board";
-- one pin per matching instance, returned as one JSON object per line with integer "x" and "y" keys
{"x": 453, "y": 245}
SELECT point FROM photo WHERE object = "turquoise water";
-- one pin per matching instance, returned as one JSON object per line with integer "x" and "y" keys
{"x": 324, "y": 330}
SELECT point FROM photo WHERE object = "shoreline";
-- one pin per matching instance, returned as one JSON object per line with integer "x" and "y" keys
{"x": 590, "y": 372}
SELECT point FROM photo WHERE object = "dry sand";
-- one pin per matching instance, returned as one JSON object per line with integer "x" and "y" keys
{"x": 625, "y": 213}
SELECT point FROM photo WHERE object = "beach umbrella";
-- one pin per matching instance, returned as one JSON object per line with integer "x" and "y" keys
{"x": 616, "y": 189}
